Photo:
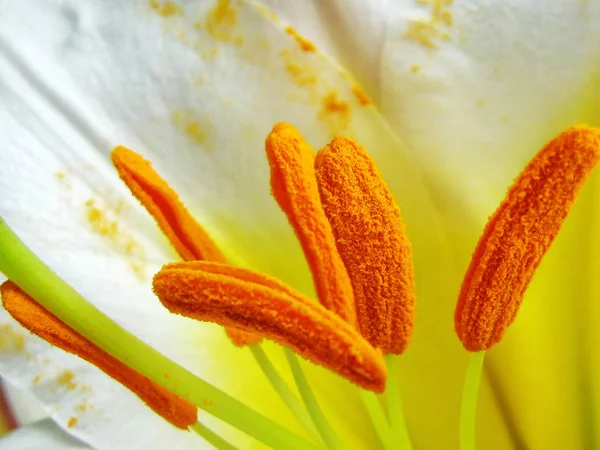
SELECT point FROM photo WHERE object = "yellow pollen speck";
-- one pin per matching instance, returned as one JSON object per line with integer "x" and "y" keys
{"x": 267, "y": 12}
{"x": 193, "y": 130}
{"x": 63, "y": 178}
{"x": 98, "y": 221}
{"x": 167, "y": 9}
{"x": 415, "y": 68}
{"x": 221, "y": 22}
{"x": 446, "y": 18}
{"x": 305, "y": 44}
{"x": 72, "y": 422}
{"x": 361, "y": 96}
{"x": 299, "y": 74}
{"x": 11, "y": 341}
{"x": 427, "y": 31}
{"x": 120, "y": 206}
{"x": 193, "y": 127}
{"x": 36, "y": 380}
{"x": 103, "y": 224}
{"x": 422, "y": 32}
{"x": 332, "y": 104}
{"x": 65, "y": 379}
{"x": 335, "y": 112}
{"x": 138, "y": 269}
{"x": 206, "y": 55}
{"x": 83, "y": 407}
{"x": 224, "y": 12}
{"x": 479, "y": 102}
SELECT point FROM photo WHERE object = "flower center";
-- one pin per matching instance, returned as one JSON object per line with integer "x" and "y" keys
{"x": 353, "y": 239}
{"x": 352, "y": 235}
{"x": 354, "y": 243}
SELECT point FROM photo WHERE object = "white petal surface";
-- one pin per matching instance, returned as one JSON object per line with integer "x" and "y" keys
{"x": 351, "y": 32}
{"x": 196, "y": 92}
{"x": 42, "y": 434}
{"x": 476, "y": 88}
{"x": 24, "y": 406}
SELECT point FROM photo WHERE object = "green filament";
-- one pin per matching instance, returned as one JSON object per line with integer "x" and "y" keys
{"x": 377, "y": 416}
{"x": 329, "y": 437}
{"x": 211, "y": 437}
{"x": 468, "y": 407}
{"x": 281, "y": 387}
{"x": 400, "y": 436}
{"x": 26, "y": 270}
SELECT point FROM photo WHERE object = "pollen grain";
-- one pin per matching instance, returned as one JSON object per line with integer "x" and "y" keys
{"x": 305, "y": 44}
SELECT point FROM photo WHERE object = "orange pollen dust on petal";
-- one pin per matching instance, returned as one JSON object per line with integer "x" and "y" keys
{"x": 186, "y": 235}
{"x": 518, "y": 235}
{"x": 372, "y": 242}
{"x": 294, "y": 187}
{"x": 256, "y": 303}
{"x": 40, "y": 322}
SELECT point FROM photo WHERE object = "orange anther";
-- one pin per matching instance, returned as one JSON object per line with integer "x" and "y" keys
{"x": 190, "y": 240}
{"x": 295, "y": 188}
{"x": 36, "y": 319}
{"x": 518, "y": 235}
{"x": 186, "y": 235}
{"x": 371, "y": 241}
{"x": 257, "y": 303}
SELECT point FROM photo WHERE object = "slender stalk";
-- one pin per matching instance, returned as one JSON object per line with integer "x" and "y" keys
{"x": 377, "y": 416}
{"x": 468, "y": 407}
{"x": 211, "y": 437}
{"x": 281, "y": 387}
{"x": 401, "y": 438}
{"x": 327, "y": 433}
{"x": 25, "y": 269}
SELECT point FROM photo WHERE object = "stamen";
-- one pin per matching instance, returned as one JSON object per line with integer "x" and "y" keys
{"x": 294, "y": 187}
{"x": 190, "y": 240}
{"x": 40, "y": 322}
{"x": 186, "y": 235}
{"x": 26, "y": 270}
{"x": 254, "y": 302}
{"x": 518, "y": 235}
{"x": 371, "y": 240}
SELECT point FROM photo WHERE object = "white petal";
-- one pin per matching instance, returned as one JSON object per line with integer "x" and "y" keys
{"x": 41, "y": 434}
{"x": 351, "y": 32}
{"x": 24, "y": 406}
{"x": 477, "y": 98}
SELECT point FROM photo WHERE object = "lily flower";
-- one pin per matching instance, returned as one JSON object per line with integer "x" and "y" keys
{"x": 449, "y": 99}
